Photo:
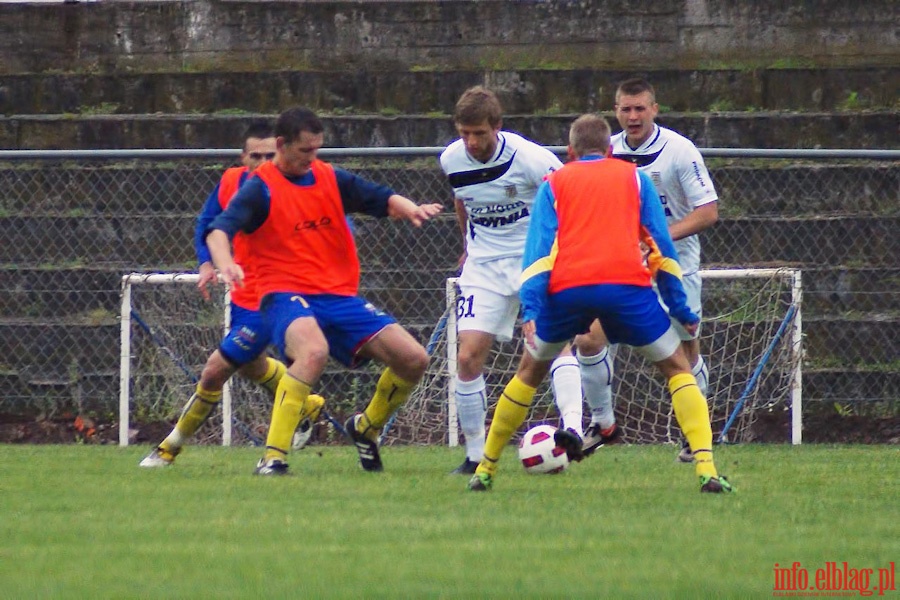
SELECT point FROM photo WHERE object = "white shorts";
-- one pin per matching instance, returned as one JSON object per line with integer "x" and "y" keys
{"x": 489, "y": 297}
{"x": 693, "y": 285}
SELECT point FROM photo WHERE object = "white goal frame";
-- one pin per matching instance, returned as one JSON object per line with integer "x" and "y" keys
{"x": 128, "y": 281}
{"x": 795, "y": 337}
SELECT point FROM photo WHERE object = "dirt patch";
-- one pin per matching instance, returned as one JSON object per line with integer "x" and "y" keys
{"x": 828, "y": 428}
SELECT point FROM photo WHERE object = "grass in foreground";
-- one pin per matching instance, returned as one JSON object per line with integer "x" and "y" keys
{"x": 85, "y": 522}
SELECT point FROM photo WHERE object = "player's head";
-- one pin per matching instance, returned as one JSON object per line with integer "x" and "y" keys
{"x": 589, "y": 134}
{"x": 259, "y": 144}
{"x": 636, "y": 109}
{"x": 299, "y": 135}
{"x": 478, "y": 117}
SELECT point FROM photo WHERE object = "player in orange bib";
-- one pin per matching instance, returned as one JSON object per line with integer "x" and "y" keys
{"x": 293, "y": 214}
{"x": 583, "y": 261}
{"x": 243, "y": 349}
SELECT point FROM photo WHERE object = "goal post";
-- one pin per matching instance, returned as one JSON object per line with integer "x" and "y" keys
{"x": 178, "y": 330}
{"x": 751, "y": 339}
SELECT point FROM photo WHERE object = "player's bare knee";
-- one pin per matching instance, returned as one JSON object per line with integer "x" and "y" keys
{"x": 588, "y": 345}
{"x": 216, "y": 372}
{"x": 413, "y": 363}
{"x": 675, "y": 364}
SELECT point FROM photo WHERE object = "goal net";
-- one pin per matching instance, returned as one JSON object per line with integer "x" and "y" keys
{"x": 750, "y": 340}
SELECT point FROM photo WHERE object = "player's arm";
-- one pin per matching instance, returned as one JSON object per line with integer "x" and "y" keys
{"x": 663, "y": 258}
{"x": 211, "y": 209}
{"x": 369, "y": 198}
{"x": 462, "y": 217}
{"x": 696, "y": 221}
{"x": 699, "y": 191}
{"x": 246, "y": 211}
{"x": 540, "y": 252}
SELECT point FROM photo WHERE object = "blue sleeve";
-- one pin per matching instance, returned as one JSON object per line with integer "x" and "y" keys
{"x": 361, "y": 195}
{"x": 247, "y": 210}
{"x": 211, "y": 210}
{"x": 663, "y": 258}
{"x": 653, "y": 217}
{"x": 538, "y": 259}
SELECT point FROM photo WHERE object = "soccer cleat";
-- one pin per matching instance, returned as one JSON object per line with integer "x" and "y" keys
{"x": 480, "y": 482}
{"x": 715, "y": 485}
{"x": 369, "y": 459}
{"x": 685, "y": 455}
{"x": 595, "y": 438}
{"x": 272, "y": 466}
{"x": 305, "y": 428}
{"x": 159, "y": 458}
{"x": 466, "y": 468}
{"x": 571, "y": 442}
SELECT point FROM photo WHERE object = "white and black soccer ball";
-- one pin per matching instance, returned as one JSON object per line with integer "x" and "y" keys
{"x": 540, "y": 454}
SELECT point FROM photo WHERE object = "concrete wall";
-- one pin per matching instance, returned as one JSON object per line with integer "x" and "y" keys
{"x": 203, "y": 35}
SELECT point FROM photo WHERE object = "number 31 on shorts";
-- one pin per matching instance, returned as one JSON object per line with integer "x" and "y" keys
{"x": 465, "y": 306}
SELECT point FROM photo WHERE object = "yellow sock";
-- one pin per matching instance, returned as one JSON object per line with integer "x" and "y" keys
{"x": 390, "y": 394}
{"x": 274, "y": 373}
{"x": 512, "y": 408}
{"x": 194, "y": 414}
{"x": 291, "y": 406}
{"x": 692, "y": 413}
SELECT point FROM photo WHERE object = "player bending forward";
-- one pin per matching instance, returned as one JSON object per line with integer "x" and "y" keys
{"x": 293, "y": 213}
{"x": 243, "y": 349}
{"x": 570, "y": 279}
{"x": 690, "y": 203}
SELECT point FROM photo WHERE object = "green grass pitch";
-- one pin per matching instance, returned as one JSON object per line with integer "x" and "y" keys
{"x": 629, "y": 522}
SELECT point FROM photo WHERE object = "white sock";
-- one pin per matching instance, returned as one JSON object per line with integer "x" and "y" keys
{"x": 471, "y": 408}
{"x": 566, "y": 379}
{"x": 701, "y": 373}
{"x": 596, "y": 379}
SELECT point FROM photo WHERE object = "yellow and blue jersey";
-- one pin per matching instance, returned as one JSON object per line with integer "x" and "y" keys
{"x": 593, "y": 236}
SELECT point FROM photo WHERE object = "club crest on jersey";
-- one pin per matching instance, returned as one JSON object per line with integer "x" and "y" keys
{"x": 510, "y": 191}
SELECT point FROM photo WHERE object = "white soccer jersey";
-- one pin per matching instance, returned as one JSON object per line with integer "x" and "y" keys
{"x": 498, "y": 194}
{"x": 679, "y": 173}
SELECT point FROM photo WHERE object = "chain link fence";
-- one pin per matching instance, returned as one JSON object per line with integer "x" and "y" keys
{"x": 72, "y": 222}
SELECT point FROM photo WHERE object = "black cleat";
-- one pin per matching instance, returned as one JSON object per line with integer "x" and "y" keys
{"x": 571, "y": 442}
{"x": 467, "y": 468}
{"x": 595, "y": 438}
{"x": 369, "y": 459}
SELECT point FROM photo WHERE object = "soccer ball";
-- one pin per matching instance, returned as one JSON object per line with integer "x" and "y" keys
{"x": 539, "y": 452}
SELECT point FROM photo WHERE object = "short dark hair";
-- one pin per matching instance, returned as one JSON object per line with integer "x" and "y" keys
{"x": 477, "y": 105}
{"x": 292, "y": 122}
{"x": 260, "y": 130}
{"x": 589, "y": 133}
{"x": 635, "y": 86}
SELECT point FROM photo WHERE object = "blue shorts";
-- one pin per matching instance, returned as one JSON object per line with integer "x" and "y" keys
{"x": 348, "y": 322}
{"x": 248, "y": 337}
{"x": 629, "y": 314}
